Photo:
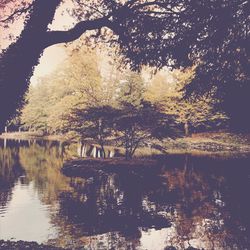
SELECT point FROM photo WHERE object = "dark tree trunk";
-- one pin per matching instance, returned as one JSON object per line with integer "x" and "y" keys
{"x": 186, "y": 128}
{"x": 103, "y": 151}
{"x": 18, "y": 61}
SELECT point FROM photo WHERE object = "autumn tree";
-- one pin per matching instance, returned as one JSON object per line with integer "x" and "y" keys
{"x": 139, "y": 121}
{"x": 166, "y": 90}
{"x": 131, "y": 89}
{"x": 213, "y": 33}
{"x": 34, "y": 115}
{"x": 78, "y": 83}
{"x": 132, "y": 122}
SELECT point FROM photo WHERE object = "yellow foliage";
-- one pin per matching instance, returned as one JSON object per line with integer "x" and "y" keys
{"x": 166, "y": 90}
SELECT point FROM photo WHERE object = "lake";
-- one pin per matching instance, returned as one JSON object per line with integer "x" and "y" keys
{"x": 184, "y": 202}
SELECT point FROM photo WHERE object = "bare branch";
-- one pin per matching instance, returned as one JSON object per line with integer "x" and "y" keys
{"x": 93, "y": 8}
{"x": 155, "y": 3}
{"x": 161, "y": 13}
{"x": 130, "y": 3}
{"x": 15, "y": 13}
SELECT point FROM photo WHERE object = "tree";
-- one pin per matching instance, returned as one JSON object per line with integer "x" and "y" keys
{"x": 138, "y": 125}
{"x": 139, "y": 121}
{"x": 34, "y": 115}
{"x": 166, "y": 90}
{"x": 93, "y": 122}
{"x": 131, "y": 89}
{"x": 76, "y": 83}
{"x": 14, "y": 73}
{"x": 224, "y": 59}
{"x": 157, "y": 33}
{"x": 132, "y": 126}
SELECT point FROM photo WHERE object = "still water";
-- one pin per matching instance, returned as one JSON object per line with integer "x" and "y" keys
{"x": 184, "y": 202}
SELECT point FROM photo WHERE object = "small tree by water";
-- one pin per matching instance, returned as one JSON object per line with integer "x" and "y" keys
{"x": 130, "y": 126}
{"x": 94, "y": 123}
{"x": 138, "y": 125}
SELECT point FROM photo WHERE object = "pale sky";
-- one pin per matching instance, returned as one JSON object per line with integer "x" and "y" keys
{"x": 51, "y": 58}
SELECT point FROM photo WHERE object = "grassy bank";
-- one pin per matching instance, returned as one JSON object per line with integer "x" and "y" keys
{"x": 209, "y": 143}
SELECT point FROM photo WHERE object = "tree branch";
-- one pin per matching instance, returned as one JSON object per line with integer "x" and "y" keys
{"x": 55, "y": 37}
{"x": 166, "y": 9}
{"x": 16, "y": 12}
{"x": 93, "y": 8}
{"x": 156, "y": 13}
{"x": 130, "y": 3}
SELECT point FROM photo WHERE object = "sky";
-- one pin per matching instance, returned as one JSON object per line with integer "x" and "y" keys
{"x": 52, "y": 57}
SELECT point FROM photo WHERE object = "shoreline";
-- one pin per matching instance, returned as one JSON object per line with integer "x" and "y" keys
{"x": 210, "y": 143}
{"x": 33, "y": 136}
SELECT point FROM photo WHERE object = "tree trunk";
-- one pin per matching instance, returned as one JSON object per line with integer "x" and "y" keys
{"x": 94, "y": 151}
{"x": 103, "y": 151}
{"x": 18, "y": 61}
{"x": 186, "y": 128}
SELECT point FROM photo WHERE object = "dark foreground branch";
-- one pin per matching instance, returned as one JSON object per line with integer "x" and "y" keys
{"x": 55, "y": 37}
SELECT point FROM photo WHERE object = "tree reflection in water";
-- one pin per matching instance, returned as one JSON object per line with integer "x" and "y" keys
{"x": 10, "y": 170}
{"x": 184, "y": 201}
{"x": 186, "y": 204}
{"x": 42, "y": 163}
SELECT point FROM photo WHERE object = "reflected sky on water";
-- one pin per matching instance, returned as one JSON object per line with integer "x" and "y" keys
{"x": 200, "y": 202}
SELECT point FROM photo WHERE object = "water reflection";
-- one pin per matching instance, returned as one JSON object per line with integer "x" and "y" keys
{"x": 183, "y": 202}
{"x": 20, "y": 221}
{"x": 9, "y": 172}
{"x": 30, "y": 182}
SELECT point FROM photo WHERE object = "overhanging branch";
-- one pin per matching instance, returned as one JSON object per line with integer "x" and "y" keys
{"x": 55, "y": 37}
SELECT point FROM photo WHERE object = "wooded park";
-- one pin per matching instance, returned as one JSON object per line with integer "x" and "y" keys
{"x": 124, "y": 124}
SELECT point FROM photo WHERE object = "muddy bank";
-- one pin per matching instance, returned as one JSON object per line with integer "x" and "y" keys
{"x": 94, "y": 167}
{"x": 86, "y": 167}
{"x": 21, "y": 245}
